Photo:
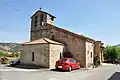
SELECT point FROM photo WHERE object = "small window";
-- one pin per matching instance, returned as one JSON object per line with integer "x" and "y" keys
{"x": 36, "y": 23}
{"x": 60, "y": 55}
{"x": 36, "y": 17}
{"x": 91, "y": 54}
{"x": 52, "y": 18}
{"x": 41, "y": 19}
{"x": 41, "y": 23}
{"x": 32, "y": 56}
{"x": 53, "y": 37}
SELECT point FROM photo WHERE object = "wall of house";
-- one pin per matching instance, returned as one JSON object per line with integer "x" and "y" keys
{"x": 99, "y": 51}
{"x": 41, "y": 54}
{"x": 75, "y": 45}
{"x": 55, "y": 52}
{"x": 89, "y": 54}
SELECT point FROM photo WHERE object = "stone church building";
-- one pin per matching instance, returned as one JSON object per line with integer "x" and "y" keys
{"x": 48, "y": 43}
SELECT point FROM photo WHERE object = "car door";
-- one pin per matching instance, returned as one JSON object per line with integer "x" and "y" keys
{"x": 73, "y": 63}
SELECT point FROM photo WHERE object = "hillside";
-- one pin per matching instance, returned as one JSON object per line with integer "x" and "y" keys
{"x": 117, "y": 45}
{"x": 13, "y": 47}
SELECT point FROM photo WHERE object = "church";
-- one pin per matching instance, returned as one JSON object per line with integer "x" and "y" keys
{"x": 49, "y": 43}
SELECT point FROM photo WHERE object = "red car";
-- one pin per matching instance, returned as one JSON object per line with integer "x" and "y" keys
{"x": 67, "y": 64}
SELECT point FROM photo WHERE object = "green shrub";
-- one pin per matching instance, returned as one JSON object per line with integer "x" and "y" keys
{"x": 96, "y": 61}
{"x": 1, "y": 53}
{"x": 111, "y": 53}
{"x": 17, "y": 55}
{"x": 9, "y": 55}
{"x": 12, "y": 55}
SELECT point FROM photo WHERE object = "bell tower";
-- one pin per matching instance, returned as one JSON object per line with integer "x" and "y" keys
{"x": 39, "y": 21}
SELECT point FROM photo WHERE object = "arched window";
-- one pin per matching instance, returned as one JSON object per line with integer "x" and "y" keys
{"x": 41, "y": 19}
{"x": 36, "y": 17}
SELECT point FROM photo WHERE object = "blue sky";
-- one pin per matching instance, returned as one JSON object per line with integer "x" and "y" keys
{"x": 98, "y": 19}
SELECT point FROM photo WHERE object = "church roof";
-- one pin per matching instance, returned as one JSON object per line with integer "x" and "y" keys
{"x": 42, "y": 41}
{"x": 42, "y": 12}
{"x": 72, "y": 33}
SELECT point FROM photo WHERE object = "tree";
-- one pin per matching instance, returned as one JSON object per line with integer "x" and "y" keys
{"x": 68, "y": 54}
{"x": 111, "y": 52}
{"x": 96, "y": 61}
{"x": 1, "y": 53}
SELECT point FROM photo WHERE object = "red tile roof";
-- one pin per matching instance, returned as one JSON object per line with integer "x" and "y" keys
{"x": 42, "y": 41}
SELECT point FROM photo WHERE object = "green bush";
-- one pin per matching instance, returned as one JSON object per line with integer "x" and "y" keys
{"x": 96, "y": 61}
{"x": 1, "y": 53}
{"x": 17, "y": 54}
{"x": 111, "y": 53}
{"x": 12, "y": 55}
{"x": 8, "y": 55}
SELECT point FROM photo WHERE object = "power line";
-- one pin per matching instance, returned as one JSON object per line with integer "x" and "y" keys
{"x": 10, "y": 6}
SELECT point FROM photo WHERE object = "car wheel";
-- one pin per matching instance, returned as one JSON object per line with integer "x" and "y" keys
{"x": 70, "y": 68}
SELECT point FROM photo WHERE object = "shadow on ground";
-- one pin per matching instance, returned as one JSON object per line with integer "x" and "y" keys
{"x": 58, "y": 70}
{"x": 26, "y": 66}
{"x": 115, "y": 76}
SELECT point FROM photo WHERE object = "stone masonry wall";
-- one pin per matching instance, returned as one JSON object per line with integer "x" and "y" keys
{"x": 75, "y": 45}
{"x": 55, "y": 52}
{"x": 41, "y": 54}
{"x": 89, "y": 54}
{"x": 99, "y": 51}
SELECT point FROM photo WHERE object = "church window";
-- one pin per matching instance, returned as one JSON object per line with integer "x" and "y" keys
{"x": 51, "y": 18}
{"x": 91, "y": 54}
{"x": 32, "y": 56}
{"x": 41, "y": 19}
{"x": 60, "y": 55}
{"x": 36, "y": 17}
{"x": 53, "y": 37}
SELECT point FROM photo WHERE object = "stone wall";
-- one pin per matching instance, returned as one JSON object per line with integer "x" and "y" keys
{"x": 55, "y": 52}
{"x": 41, "y": 54}
{"x": 98, "y": 50}
{"x": 73, "y": 44}
{"x": 89, "y": 54}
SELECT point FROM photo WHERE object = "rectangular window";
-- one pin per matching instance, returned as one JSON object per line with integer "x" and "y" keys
{"x": 32, "y": 56}
{"x": 60, "y": 55}
{"x": 91, "y": 54}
